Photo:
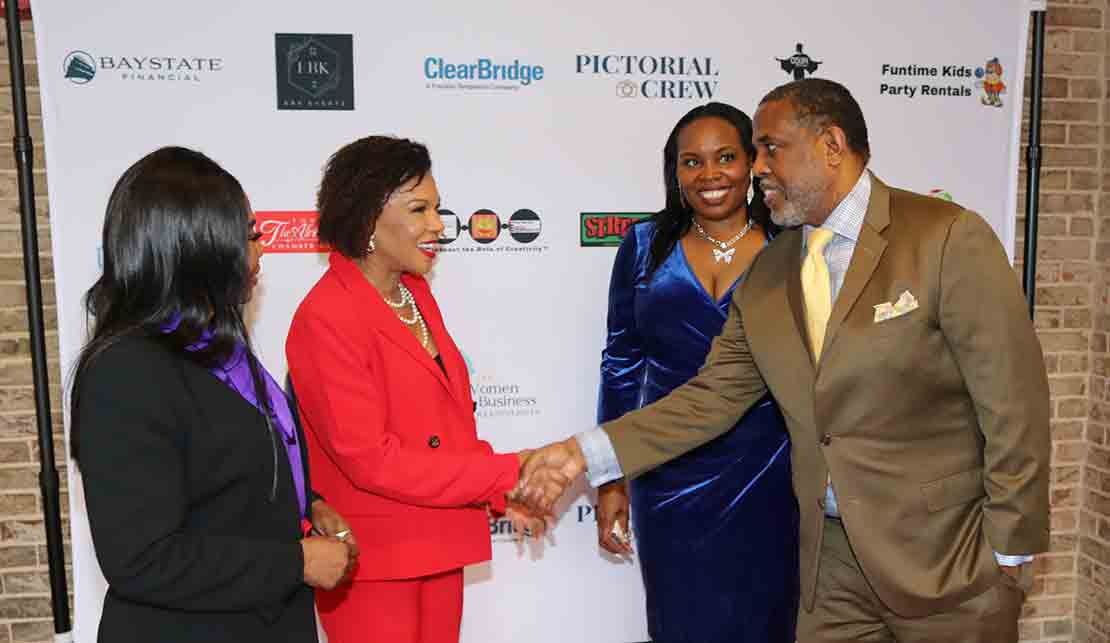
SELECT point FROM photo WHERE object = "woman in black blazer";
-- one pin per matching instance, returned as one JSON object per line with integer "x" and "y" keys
{"x": 191, "y": 463}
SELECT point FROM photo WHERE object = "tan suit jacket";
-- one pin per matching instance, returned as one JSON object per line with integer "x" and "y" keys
{"x": 933, "y": 425}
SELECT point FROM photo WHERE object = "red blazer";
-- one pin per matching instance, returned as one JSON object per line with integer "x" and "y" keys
{"x": 392, "y": 442}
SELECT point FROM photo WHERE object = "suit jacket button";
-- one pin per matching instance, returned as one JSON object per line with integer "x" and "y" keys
{"x": 826, "y": 439}
{"x": 434, "y": 441}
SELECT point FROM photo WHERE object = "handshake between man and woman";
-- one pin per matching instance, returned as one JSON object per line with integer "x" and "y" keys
{"x": 822, "y": 405}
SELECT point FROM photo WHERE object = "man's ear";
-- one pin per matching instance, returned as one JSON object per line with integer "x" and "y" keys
{"x": 834, "y": 145}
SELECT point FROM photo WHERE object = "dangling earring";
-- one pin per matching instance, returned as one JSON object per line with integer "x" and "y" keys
{"x": 370, "y": 245}
{"x": 751, "y": 191}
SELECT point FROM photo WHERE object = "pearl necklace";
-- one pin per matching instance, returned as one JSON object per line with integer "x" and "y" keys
{"x": 725, "y": 250}
{"x": 416, "y": 319}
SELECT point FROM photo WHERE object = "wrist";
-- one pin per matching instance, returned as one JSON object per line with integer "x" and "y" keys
{"x": 575, "y": 450}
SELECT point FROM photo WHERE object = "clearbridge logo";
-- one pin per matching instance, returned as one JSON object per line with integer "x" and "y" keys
{"x": 480, "y": 73}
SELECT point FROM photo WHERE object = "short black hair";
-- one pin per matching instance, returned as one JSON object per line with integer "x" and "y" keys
{"x": 819, "y": 102}
{"x": 358, "y": 180}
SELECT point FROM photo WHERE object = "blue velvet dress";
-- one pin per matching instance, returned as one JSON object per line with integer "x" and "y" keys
{"x": 717, "y": 528}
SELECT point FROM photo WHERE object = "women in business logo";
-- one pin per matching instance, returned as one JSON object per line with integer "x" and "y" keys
{"x": 497, "y": 397}
{"x": 485, "y": 226}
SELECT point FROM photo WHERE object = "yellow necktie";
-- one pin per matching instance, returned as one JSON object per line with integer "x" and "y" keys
{"x": 816, "y": 288}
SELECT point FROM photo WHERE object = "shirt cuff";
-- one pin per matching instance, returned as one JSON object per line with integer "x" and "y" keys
{"x": 1012, "y": 561}
{"x": 601, "y": 460}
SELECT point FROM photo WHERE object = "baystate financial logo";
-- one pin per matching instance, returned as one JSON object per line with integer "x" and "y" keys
{"x": 653, "y": 77}
{"x": 80, "y": 67}
{"x": 480, "y": 74}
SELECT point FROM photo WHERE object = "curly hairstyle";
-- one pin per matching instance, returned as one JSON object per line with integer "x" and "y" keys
{"x": 358, "y": 180}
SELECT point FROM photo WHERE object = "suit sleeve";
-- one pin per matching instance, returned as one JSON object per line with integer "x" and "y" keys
{"x": 133, "y": 472}
{"x": 706, "y": 406}
{"x": 622, "y": 361}
{"x": 986, "y": 323}
{"x": 344, "y": 403}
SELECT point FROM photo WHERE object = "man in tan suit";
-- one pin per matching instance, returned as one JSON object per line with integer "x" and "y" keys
{"x": 892, "y": 331}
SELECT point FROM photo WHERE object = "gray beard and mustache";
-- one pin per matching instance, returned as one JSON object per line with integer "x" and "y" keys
{"x": 798, "y": 201}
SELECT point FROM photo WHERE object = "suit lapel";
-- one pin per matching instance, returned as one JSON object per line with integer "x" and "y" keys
{"x": 865, "y": 258}
{"x": 384, "y": 320}
{"x": 770, "y": 297}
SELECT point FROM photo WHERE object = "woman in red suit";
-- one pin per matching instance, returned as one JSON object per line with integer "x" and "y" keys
{"x": 385, "y": 399}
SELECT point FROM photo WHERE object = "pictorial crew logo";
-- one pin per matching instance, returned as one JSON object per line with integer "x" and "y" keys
{"x": 657, "y": 77}
{"x": 314, "y": 71}
{"x": 485, "y": 226}
{"x": 606, "y": 229}
{"x": 289, "y": 231}
{"x": 799, "y": 63}
{"x": 80, "y": 67}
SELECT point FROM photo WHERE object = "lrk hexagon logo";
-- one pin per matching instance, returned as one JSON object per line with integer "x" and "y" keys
{"x": 314, "y": 71}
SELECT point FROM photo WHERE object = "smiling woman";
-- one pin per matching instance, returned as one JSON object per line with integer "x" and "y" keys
{"x": 387, "y": 405}
{"x": 718, "y": 525}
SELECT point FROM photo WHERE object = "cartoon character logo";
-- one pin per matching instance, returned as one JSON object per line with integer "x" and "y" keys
{"x": 991, "y": 81}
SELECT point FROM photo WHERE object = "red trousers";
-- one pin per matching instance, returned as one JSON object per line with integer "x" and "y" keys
{"x": 417, "y": 610}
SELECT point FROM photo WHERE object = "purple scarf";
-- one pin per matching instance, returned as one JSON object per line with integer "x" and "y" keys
{"x": 235, "y": 372}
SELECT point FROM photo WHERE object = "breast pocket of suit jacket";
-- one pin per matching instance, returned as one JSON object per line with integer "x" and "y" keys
{"x": 893, "y": 312}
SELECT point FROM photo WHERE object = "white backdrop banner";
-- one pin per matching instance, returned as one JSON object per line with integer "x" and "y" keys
{"x": 546, "y": 123}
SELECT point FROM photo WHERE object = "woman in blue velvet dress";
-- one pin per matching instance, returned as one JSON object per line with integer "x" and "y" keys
{"x": 717, "y": 528}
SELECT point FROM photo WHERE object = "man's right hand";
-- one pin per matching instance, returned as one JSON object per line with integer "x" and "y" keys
{"x": 327, "y": 561}
{"x": 612, "y": 511}
{"x": 547, "y": 472}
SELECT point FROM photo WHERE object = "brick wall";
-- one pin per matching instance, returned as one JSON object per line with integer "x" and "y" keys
{"x": 1088, "y": 72}
{"x": 1070, "y": 600}
{"x": 1071, "y": 596}
{"x": 24, "y": 590}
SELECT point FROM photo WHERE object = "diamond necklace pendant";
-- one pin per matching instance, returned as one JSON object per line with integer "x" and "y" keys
{"x": 718, "y": 255}
{"x": 724, "y": 250}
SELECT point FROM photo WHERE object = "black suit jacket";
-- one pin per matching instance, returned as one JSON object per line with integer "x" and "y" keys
{"x": 177, "y": 470}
